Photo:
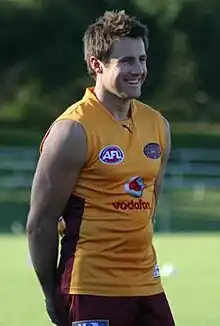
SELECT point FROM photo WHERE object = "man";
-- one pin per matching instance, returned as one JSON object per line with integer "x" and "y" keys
{"x": 101, "y": 167}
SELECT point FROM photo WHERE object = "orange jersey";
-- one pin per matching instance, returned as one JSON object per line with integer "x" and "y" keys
{"x": 107, "y": 244}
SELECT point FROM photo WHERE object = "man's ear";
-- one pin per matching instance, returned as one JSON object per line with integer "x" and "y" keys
{"x": 96, "y": 65}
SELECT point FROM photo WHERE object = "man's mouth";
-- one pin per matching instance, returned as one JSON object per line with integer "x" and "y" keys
{"x": 133, "y": 81}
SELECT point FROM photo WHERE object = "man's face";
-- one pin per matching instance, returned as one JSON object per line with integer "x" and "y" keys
{"x": 126, "y": 70}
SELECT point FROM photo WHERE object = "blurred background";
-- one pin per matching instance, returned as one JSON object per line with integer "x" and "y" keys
{"x": 42, "y": 72}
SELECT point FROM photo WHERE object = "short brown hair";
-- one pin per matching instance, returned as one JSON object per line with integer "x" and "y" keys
{"x": 100, "y": 36}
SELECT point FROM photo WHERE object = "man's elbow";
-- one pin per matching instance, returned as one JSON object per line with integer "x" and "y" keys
{"x": 40, "y": 224}
{"x": 31, "y": 225}
{"x": 34, "y": 223}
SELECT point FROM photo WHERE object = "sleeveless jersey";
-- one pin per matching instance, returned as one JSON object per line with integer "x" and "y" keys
{"x": 106, "y": 248}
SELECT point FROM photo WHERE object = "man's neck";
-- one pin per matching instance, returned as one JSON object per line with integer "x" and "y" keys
{"x": 118, "y": 107}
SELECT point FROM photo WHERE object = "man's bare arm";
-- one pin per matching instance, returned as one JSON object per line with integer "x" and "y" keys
{"x": 62, "y": 157}
{"x": 166, "y": 154}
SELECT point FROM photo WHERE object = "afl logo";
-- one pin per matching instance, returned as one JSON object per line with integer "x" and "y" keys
{"x": 111, "y": 155}
{"x": 152, "y": 150}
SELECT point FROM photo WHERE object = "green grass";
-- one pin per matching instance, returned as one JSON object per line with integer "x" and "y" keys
{"x": 193, "y": 290}
{"x": 21, "y": 300}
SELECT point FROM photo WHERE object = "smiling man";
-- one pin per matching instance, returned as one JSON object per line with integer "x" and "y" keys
{"x": 99, "y": 174}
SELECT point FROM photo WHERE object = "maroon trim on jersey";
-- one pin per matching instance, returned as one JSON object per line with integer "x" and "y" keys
{"x": 73, "y": 217}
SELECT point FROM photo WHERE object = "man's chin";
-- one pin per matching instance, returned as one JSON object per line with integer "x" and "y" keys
{"x": 131, "y": 95}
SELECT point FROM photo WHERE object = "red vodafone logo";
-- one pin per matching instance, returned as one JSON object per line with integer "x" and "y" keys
{"x": 111, "y": 155}
{"x": 135, "y": 186}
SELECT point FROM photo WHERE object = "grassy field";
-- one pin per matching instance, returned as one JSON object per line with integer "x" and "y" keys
{"x": 193, "y": 289}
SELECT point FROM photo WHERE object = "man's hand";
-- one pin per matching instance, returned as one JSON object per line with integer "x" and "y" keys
{"x": 57, "y": 311}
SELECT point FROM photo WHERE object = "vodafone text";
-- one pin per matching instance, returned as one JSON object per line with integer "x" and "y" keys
{"x": 132, "y": 205}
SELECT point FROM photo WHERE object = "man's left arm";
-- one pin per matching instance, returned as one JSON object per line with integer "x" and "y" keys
{"x": 165, "y": 157}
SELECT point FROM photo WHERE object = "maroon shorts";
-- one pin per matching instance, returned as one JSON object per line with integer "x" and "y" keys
{"x": 89, "y": 310}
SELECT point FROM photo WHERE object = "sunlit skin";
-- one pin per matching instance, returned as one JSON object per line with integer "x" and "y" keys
{"x": 121, "y": 78}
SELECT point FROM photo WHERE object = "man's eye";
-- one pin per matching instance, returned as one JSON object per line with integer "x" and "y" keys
{"x": 126, "y": 60}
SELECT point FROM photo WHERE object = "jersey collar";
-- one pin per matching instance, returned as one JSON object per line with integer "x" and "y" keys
{"x": 92, "y": 100}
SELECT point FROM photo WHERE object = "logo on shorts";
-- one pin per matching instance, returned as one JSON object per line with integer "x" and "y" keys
{"x": 91, "y": 323}
{"x": 156, "y": 271}
{"x": 111, "y": 155}
{"x": 135, "y": 186}
{"x": 152, "y": 151}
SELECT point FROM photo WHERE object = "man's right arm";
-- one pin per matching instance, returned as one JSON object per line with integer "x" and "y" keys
{"x": 62, "y": 157}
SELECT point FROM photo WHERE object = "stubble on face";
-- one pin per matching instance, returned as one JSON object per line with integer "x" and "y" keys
{"x": 126, "y": 71}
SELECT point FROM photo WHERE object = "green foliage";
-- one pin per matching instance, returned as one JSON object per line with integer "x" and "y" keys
{"x": 41, "y": 59}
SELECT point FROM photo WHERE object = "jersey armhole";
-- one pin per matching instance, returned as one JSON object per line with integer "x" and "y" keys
{"x": 162, "y": 133}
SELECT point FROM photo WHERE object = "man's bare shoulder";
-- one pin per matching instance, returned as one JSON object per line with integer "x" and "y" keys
{"x": 66, "y": 139}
